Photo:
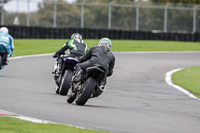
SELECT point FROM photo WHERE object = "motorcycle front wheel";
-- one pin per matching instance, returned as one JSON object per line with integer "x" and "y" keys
{"x": 65, "y": 82}
{"x": 86, "y": 92}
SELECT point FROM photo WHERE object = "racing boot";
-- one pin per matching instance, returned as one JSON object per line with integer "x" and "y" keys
{"x": 5, "y": 61}
{"x": 78, "y": 75}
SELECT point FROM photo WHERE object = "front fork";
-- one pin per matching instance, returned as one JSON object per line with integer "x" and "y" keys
{"x": 57, "y": 74}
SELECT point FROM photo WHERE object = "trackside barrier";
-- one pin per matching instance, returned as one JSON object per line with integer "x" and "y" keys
{"x": 33, "y": 32}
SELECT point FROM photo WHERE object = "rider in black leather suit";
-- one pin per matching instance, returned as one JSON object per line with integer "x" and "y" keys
{"x": 98, "y": 55}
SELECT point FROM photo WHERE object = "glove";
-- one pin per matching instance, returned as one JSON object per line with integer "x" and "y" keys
{"x": 110, "y": 73}
{"x": 78, "y": 58}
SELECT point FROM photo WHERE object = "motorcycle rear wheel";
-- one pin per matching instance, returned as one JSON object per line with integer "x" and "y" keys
{"x": 86, "y": 92}
{"x": 65, "y": 82}
{"x": 0, "y": 61}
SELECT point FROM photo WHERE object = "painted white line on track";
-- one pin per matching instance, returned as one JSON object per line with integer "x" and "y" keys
{"x": 31, "y": 119}
{"x": 123, "y": 52}
{"x": 28, "y": 56}
{"x": 34, "y": 120}
{"x": 169, "y": 82}
{"x": 156, "y": 52}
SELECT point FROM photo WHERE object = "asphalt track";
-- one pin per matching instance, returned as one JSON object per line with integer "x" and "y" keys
{"x": 137, "y": 99}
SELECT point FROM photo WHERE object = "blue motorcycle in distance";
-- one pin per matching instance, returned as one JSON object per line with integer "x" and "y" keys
{"x": 63, "y": 79}
{"x": 3, "y": 53}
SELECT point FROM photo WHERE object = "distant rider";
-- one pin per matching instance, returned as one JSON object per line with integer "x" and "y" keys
{"x": 98, "y": 55}
{"x": 6, "y": 41}
{"x": 76, "y": 47}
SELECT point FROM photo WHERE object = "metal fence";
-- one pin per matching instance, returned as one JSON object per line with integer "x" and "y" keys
{"x": 112, "y": 15}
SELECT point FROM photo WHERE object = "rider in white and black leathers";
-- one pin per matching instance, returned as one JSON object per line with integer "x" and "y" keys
{"x": 98, "y": 55}
{"x": 6, "y": 41}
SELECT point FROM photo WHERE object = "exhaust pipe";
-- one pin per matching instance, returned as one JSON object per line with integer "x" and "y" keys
{"x": 102, "y": 88}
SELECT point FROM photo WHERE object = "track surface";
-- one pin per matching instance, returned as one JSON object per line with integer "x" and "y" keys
{"x": 137, "y": 99}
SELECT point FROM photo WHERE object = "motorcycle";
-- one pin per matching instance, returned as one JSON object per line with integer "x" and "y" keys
{"x": 88, "y": 86}
{"x": 2, "y": 54}
{"x": 63, "y": 79}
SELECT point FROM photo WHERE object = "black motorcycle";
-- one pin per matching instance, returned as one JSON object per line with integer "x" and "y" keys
{"x": 88, "y": 87}
{"x": 63, "y": 79}
{"x": 2, "y": 56}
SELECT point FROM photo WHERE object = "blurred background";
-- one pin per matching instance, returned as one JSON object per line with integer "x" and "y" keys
{"x": 132, "y": 15}
{"x": 145, "y": 15}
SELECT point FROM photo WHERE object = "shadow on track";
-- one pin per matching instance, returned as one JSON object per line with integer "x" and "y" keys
{"x": 7, "y": 76}
{"x": 95, "y": 106}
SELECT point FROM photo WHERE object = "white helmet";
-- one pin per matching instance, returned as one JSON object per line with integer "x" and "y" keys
{"x": 105, "y": 42}
{"x": 4, "y": 30}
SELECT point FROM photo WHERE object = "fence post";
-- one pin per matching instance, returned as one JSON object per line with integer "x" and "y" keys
{"x": 2, "y": 14}
{"x": 82, "y": 14}
{"x": 28, "y": 12}
{"x": 137, "y": 16}
{"x": 165, "y": 18}
{"x": 194, "y": 18}
{"x": 109, "y": 14}
{"x": 55, "y": 13}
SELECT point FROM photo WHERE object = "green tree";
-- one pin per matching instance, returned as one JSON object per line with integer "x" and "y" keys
{"x": 96, "y": 16}
{"x": 67, "y": 15}
{"x": 178, "y": 1}
{"x": 4, "y": 1}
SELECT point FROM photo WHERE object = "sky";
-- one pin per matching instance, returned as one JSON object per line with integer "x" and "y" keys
{"x": 22, "y": 5}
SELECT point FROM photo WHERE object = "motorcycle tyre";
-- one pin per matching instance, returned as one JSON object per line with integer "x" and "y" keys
{"x": 0, "y": 61}
{"x": 86, "y": 92}
{"x": 65, "y": 82}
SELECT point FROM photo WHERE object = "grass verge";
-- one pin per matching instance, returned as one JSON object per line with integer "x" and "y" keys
{"x": 13, "y": 125}
{"x": 38, "y": 46}
{"x": 189, "y": 79}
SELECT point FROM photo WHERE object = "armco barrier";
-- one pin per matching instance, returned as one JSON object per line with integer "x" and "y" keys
{"x": 35, "y": 32}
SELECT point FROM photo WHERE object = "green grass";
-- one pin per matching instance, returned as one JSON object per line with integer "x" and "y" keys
{"x": 189, "y": 79}
{"x": 13, "y": 125}
{"x": 129, "y": 45}
{"x": 38, "y": 46}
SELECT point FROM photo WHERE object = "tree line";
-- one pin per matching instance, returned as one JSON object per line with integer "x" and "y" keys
{"x": 96, "y": 16}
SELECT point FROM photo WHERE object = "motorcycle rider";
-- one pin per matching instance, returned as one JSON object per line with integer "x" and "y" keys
{"x": 76, "y": 48}
{"x": 97, "y": 55}
{"x": 6, "y": 41}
